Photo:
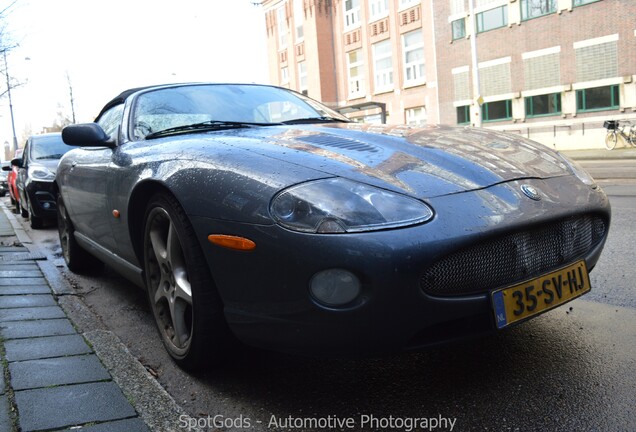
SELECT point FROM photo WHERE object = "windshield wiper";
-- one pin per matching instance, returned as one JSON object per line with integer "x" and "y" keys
{"x": 206, "y": 125}
{"x": 324, "y": 119}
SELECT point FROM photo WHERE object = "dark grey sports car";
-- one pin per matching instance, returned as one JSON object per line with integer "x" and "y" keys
{"x": 253, "y": 213}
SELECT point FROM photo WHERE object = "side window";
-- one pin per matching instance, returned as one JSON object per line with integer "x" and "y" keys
{"x": 26, "y": 153}
{"x": 111, "y": 119}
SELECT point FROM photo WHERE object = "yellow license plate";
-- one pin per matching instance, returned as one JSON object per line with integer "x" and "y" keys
{"x": 538, "y": 295}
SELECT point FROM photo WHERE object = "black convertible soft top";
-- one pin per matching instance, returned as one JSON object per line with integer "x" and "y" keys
{"x": 119, "y": 99}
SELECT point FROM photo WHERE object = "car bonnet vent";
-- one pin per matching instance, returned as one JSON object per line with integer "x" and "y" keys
{"x": 342, "y": 143}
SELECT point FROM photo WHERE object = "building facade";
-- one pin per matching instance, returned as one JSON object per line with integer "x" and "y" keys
{"x": 551, "y": 70}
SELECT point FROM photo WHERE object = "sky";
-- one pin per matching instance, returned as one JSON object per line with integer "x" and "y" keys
{"x": 106, "y": 46}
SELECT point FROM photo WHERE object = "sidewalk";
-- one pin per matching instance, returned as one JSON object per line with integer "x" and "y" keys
{"x": 598, "y": 154}
{"x": 51, "y": 377}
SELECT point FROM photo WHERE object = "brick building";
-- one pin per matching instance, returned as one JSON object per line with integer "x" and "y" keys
{"x": 552, "y": 70}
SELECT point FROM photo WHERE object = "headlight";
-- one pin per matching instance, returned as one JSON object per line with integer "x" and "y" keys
{"x": 578, "y": 171}
{"x": 337, "y": 205}
{"x": 41, "y": 173}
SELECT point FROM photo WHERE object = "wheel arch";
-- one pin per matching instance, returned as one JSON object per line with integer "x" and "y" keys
{"x": 137, "y": 203}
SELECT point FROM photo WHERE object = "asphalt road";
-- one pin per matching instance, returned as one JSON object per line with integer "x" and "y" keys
{"x": 573, "y": 368}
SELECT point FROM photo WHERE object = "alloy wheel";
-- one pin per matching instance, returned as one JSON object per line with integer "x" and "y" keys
{"x": 169, "y": 286}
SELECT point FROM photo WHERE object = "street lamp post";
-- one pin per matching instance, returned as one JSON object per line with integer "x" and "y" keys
{"x": 477, "y": 100}
{"x": 6, "y": 72}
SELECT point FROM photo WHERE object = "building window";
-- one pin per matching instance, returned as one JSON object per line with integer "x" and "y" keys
{"x": 416, "y": 116}
{"x": 406, "y": 3}
{"x": 298, "y": 19}
{"x": 373, "y": 119}
{"x": 543, "y": 105}
{"x": 459, "y": 28}
{"x": 355, "y": 69}
{"x": 457, "y": 7}
{"x": 492, "y": 19}
{"x": 463, "y": 114}
{"x": 413, "y": 49}
{"x": 351, "y": 13}
{"x": 584, "y": 2}
{"x": 495, "y": 111}
{"x": 378, "y": 9}
{"x": 598, "y": 98}
{"x": 282, "y": 27}
{"x": 536, "y": 8}
{"x": 383, "y": 65}
{"x": 302, "y": 77}
{"x": 284, "y": 75}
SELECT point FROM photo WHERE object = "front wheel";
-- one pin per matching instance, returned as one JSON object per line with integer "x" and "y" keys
{"x": 610, "y": 140}
{"x": 35, "y": 222}
{"x": 182, "y": 294}
{"x": 24, "y": 212}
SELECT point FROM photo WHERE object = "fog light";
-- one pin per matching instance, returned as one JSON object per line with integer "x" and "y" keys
{"x": 334, "y": 287}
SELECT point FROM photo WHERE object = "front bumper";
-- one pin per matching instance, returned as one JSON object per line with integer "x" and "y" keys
{"x": 266, "y": 296}
{"x": 42, "y": 199}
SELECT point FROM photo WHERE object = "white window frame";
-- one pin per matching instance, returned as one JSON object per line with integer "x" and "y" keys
{"x": 351, "y": 16}
{"x": 416, "y": 116}
{"x": 284, "y": 75}
{"x": 383, "y": 77}
{"x": 418, "y": 67}
{"x": 298, "y": 20}
{"x": 356, "y": 83}
{"x": 302, "y": 77}
{"x": 378, "y": 9}
{"x": 281, "y": 25}
{"x": 405, "y": 4}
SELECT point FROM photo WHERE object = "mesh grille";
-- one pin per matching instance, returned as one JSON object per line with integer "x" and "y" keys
{"x": 513, "y": 258}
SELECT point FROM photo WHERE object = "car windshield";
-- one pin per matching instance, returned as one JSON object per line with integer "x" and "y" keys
{"x": 223, "y": 106}
{"x": 48, "y": 147}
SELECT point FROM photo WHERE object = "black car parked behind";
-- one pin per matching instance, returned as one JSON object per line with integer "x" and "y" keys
{"x": 36, "y": 173}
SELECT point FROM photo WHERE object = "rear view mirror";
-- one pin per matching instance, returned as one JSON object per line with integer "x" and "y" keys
{"x": 86, "y": 135}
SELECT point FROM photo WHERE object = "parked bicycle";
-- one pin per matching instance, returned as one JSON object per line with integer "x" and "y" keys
{"x": 623, "y": 129}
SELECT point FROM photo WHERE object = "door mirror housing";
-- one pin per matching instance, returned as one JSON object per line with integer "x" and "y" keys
{"x": 17, "y": 162}
{"x": 86, "y": 135}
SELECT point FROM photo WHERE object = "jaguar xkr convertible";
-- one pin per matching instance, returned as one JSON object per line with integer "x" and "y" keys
{"x": 254, "y": 214}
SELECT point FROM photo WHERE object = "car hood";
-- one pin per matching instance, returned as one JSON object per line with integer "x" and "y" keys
{"x": 420, "y": 162}
{"x": 51, "y": 164}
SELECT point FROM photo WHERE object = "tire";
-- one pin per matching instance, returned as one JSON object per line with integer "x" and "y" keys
{"x": 77, "y": 259}
{"x": 610, "y": 140}
{"x": 182, "y": 294}
{"x": 35, "y": 222}
{"x": 24, "y": 212}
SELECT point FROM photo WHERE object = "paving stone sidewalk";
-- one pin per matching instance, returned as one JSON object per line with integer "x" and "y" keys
{"x": 50, "y": 378}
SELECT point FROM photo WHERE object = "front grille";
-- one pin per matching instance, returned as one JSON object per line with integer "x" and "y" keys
{"x": 513, "y": 258}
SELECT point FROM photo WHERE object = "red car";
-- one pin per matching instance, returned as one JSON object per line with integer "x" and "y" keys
{"x": 11, "y": 177}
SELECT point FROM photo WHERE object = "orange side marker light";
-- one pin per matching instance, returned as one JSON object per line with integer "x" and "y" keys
{"x": 232, "y": 242}
{"x": 116, "y": 214}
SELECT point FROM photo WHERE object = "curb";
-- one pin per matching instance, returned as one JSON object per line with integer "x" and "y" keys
{"x": 152, "y": 402}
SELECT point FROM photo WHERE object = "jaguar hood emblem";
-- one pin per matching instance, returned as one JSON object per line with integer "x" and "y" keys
{"x": 530, "y": 192}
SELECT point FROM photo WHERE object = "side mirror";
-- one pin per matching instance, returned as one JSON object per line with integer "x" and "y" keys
{"x": 16, "y": 162}
{"x": 86, "y": 135}
{"x": 6, "y": 167}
